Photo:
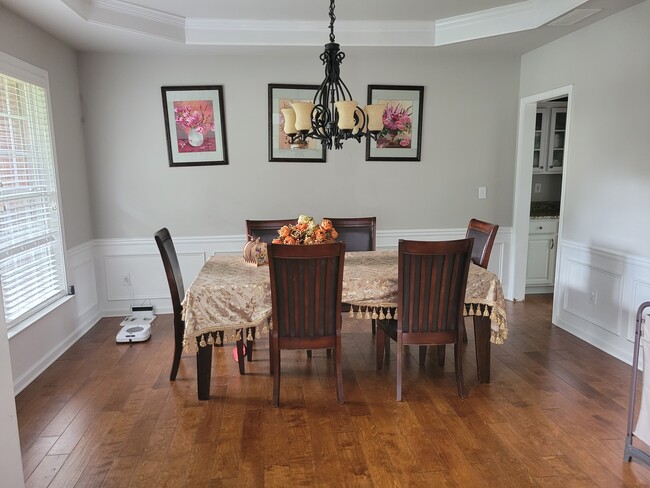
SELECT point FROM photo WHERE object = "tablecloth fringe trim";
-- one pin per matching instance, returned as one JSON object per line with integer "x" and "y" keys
{"x": 213, "y": 337}
{"x": 364, "y": 312}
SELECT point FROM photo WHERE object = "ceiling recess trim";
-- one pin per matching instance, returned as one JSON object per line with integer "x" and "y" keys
{"x": 118, "y": 14}
{"x": 516, "y": 17}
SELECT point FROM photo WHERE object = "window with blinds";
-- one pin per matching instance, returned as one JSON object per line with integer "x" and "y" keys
{"x": 32, "y": 271}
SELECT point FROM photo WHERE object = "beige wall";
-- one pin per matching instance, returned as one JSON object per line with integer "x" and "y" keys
{"x": 607, "y": 174}
{"x": 469, "y": 127}
{"x": 22, "y": 40}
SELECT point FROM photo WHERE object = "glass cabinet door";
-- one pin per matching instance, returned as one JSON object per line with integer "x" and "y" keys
{"x": 556, "y": 142}
{"x": 541, "y": 143}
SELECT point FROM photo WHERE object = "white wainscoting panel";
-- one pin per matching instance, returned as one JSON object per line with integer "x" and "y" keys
{"x": 598, "y": 292}
{"x": 140, "y": 260}
{"x": 594, "y": 295}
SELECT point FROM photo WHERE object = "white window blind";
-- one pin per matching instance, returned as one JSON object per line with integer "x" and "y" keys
{"x": 32, "y": 271}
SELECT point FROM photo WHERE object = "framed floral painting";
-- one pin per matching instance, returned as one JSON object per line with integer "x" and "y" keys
{"x": 195, "y": 125}
{"x": 281, "y": 148}
{"x": 401, "y": 138}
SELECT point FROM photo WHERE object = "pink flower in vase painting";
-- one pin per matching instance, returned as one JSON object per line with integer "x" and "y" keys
{"x": 398, "y": 128}
{"x": 194, "y": 125}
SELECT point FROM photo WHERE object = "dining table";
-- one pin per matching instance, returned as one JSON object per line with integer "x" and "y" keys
{"x": 230, "y": 300}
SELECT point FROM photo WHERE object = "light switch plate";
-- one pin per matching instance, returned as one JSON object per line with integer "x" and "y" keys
{"x": 482, "y": 192}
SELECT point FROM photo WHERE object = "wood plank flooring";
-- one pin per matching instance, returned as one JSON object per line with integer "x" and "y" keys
{"x": 554, "y": 415}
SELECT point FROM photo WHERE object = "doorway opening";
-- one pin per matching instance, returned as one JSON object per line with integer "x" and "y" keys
{"x": 540, "y": 185}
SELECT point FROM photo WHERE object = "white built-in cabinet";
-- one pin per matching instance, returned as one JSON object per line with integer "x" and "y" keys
{"x": 542, "y": 248}
{"x": 550, "y": 130}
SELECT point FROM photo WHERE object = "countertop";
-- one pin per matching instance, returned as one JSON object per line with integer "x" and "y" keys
{"x": 544, "y": 210}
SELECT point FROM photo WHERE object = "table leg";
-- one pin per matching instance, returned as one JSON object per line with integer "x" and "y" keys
{"x": 241, "y": 357}
{"x": 482, "y": 344}
{"x": 204, "y": 371}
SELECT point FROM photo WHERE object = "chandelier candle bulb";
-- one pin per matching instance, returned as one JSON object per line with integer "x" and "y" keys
{"x": 346, "y": 111}
{"x": 289, "y": 121}
{"x": 376, "y": 117}
{"x": 303, "y": 115}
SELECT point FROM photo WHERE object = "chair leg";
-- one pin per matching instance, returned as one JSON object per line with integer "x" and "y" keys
{"x": 441, "y": 355}
{"x": 309, "y": 353}
{"x": 178, "y": 350}
{"x": 276, "y": 375}
{"x": 465, "y": 336}
{"x": 423, "y": 354}
{"x": 337, "y": 369}
{"x": 399, "y": 366}
{"x": 271, "y": 368}
{"x": 381, "y": 338}
{"x": 458, "y": 360}
{"x": 250, "y": 344}
{"x": 374, "y": 326}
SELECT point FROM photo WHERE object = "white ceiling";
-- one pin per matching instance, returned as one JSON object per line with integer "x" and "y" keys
{"x": 190, "y": 25}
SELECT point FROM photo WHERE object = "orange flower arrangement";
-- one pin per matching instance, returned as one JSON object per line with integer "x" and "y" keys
{"x": 306, "y": 232}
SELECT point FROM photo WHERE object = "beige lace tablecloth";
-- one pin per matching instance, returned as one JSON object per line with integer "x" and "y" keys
{"x": 230, "y": 295}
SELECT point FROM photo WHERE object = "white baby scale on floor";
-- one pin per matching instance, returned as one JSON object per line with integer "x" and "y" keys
{"x": 137, "y": 326}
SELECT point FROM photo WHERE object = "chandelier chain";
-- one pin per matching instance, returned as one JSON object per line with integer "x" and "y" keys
{"x": 332, "y": 19}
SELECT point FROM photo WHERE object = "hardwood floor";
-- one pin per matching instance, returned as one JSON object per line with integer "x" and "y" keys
{"x": 555, "y": 413}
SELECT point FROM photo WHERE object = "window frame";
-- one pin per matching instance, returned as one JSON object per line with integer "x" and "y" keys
{"x": 28, "y": 73}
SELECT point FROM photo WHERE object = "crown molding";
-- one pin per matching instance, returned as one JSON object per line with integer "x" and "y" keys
{"x": 525, "y": 15}
{"x": 497, "y": 21}
{"x": 306, "y": 33}
{"x": 126, "y": 16}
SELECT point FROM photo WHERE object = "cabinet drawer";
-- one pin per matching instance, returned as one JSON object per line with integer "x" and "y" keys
{"x": 543, "y": 226}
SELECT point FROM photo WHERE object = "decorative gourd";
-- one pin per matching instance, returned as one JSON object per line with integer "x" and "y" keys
{"x": 255, "y": 252}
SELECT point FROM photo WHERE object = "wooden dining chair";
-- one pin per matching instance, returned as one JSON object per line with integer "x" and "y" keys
{"x": 266, "y": 230}
{"x": 306, "y": 288}
{"x": 175, "y": 280}
{"x": 483, "y": 234}
{"x": 177, "y": 291}
{"x": 359, "y": 234}
{"x": 432, "y": 278}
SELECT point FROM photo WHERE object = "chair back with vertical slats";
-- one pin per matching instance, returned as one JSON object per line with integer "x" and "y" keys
{"x": 306, "y": 288}
{"x": 431, "y": 289}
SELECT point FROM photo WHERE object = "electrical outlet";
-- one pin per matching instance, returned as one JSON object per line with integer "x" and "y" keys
{"x": 593, "y": 297}
{"x": 538, "y": 188}
{"x": 482, "y": 192}
{"x": 126, "y": 280}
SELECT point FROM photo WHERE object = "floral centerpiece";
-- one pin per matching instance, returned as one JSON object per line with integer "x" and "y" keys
{"x": 306, "y": 232}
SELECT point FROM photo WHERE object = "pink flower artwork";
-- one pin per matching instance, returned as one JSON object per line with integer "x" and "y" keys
{"x": 197, "y": 116}
{"x": 398, "y": 126}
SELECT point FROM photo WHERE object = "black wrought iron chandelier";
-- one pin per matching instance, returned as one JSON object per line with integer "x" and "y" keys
{"x": 334, "y": 116}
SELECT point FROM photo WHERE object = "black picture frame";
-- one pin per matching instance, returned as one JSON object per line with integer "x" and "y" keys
{"x": 280, "y": 149}
{"x": 195, "y": 125}
{"x": 403, "y": 141}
